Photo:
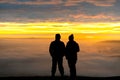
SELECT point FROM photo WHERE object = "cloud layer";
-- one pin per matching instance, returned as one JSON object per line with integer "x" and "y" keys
{"x": 57, "y": 2}
{"x": 59, "y": 10}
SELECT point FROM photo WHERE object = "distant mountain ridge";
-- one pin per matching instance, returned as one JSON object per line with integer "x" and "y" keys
{"x": 111, "y": 41}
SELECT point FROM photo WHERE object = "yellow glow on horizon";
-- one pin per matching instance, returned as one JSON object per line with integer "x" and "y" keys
{"x": 57, "y": 27}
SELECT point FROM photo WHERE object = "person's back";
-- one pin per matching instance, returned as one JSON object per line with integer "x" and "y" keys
{"x": 57, "y": 50}
{"x": 72, "y": 48}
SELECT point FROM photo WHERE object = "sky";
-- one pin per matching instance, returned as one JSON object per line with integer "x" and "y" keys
{"x": 64, "y": 16}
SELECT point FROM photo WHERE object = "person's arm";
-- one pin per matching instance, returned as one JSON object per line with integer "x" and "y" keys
{"x": 78, "y": 48}
{"x": 63, "y": 49}
{"x": 51, "y": 49}
{"x": 66, "y": 51}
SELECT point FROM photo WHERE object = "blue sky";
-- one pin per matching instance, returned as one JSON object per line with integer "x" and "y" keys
{"x": 59, "y": 10}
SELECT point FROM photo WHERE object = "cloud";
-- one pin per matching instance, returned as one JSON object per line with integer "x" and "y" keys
{"x": 32, "y": 2}
{"x": 73, "y": 2}
{"x": 116, "y": 28}
{"x": 70, "y": 18}
{"x": 62, "y": 2}
{"x": 94, "y": 2}
{"x": 57, "y": 10}
{"x": 102, "y": 2}
{"x": 97, "y": 16}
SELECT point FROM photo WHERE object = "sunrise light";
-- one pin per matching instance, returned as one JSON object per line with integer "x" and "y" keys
{"x": 55, "y": 27}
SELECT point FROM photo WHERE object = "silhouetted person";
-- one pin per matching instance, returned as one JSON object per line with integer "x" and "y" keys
{"x": 72, "y": 48}
{"x": 57, "y": 51}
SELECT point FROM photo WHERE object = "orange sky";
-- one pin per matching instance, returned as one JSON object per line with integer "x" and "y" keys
{"x": 33, "y": 17}
{"x": 45, "y": 29}
{"x": 56, "y": 27}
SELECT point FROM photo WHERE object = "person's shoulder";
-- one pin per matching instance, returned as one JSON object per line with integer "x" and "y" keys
{"x": 75, "y": 42}
{"x": 61, "y": 42}
{"x": 52, "y": 42}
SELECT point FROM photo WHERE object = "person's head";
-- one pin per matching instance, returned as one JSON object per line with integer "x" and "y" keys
{"x": 57, "y": 37}
{"x": 71, "y": 37}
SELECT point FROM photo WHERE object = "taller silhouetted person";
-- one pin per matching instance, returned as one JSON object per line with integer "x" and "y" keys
{"x": 72, "y": 48}
{"x": 57, "y": 51}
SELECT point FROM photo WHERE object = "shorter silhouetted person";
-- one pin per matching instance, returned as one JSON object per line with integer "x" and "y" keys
{"x": 57, "y": 51}
{"x": 72, "y": 48}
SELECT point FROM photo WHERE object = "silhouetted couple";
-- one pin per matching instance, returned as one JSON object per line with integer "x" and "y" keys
{"x": 58, "y": 50}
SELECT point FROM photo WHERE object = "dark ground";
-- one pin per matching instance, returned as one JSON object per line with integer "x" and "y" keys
{"x": 59, "y": 78}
